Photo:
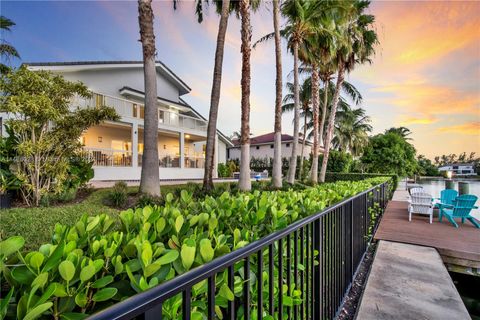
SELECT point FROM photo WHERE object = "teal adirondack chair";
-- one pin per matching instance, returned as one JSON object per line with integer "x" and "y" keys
{"x": 463, "y": 205}
{"x": 447, "y": 198}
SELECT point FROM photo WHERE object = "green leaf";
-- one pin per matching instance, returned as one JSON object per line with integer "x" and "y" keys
{"x": 47, "y": 293}
{"x": 38, "y": 311}
{"x": 36, "y": 260}
{"x": 67, "y": 270}
{"x": 11, "y": 245}
{"x": 151, "y": 269}
{"x": 169, "y": 198}
{"x": 73, "y": 316}
{"x": 40, "y": 280}
{"x": 160, "y": 224}
{"x": 168, "y": 257}
{"x": 196, "y": 315}
{"x": 53, "y": 259}
{"x": 179, "y": 223}
{"x": 206, "y": 250}
{"x": 81, "y": 299}
{"x": 102, "y": 282}
{"x": 23, "y": 275}
{"x": 87, "y": 272}
{"x": 4, "y": 303}
{"x": 147, "y": 253}
{"x": 188, "y": 254}
{"x": 226, "y": 293}
{"x": 104, "y": 294}
{"x": 95, "y": 221}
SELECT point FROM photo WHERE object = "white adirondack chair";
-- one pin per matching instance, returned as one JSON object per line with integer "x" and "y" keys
{"x": 420, "y": 203}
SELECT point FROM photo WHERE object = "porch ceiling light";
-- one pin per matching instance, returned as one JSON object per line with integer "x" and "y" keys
{"x": 187, "y": 136}
{"x": 99, "y": 139}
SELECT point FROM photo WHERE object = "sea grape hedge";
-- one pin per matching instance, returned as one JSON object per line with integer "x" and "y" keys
{"x": 95, "y": 263}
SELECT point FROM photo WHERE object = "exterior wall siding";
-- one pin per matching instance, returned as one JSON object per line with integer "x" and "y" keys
{"x": 266, "y": 151}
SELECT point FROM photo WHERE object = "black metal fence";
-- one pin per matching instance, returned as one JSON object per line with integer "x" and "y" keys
{"x": 312, "y": 263}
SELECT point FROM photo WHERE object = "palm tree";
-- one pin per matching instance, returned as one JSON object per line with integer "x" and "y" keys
{"x": 150, "y": 179}
{"x": 351, "y": 130}
{"x": 305, "y": 94}
{"x": 277, "y": 151}
{"x": 244, "y": 182}
{"x": 401, "y": 131}
{"x": 358, "y": 41}
{"x": 7, "y": 51}
{"x": 215, "y": 95}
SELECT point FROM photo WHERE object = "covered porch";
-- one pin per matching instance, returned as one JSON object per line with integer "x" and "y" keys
{"x": 119, "y": 146}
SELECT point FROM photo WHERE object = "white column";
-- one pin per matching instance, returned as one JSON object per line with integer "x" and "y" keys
{"x": 135, "y": 144}
{"x": 182, "y": 150}
{"x": 215, "y": 158}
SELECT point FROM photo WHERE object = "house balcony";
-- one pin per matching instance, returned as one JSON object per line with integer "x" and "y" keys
{"x": 130, "y": 110}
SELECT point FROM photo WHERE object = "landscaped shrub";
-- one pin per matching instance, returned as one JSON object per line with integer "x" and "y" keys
{"x": 223, "y": 170}
{"x": 338, "y": 176}
{"x": 90, "y": 266}
{"x": 118, "y": 196}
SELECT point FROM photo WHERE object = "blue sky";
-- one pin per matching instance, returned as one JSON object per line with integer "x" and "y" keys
{"x": 426, "y": 74}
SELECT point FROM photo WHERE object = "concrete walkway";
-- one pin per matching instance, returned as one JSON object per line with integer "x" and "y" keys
{"x": 409, "y": 282}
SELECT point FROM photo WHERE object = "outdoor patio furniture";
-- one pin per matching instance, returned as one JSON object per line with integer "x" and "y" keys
{"x": 420, "y": 203}
{"x": 463, "y": 205}
{"x": 415, "y": 190}
{"x": 446, "y": 200}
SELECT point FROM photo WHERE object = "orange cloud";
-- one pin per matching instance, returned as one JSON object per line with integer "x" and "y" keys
{"x": 470, "y": 128}
{"x": 409, "y": 120}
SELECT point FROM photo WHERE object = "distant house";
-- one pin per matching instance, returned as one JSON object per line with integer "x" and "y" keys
{"x": 459, "y": 169}
{"x": 262, "y": 147}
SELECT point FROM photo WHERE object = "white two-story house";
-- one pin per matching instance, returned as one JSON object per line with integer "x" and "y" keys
{"x": 459, "y": 169}
{"x": 116, "y": 147}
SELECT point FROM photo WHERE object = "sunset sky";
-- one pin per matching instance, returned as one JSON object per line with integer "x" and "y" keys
{"x": 426, "y": 74}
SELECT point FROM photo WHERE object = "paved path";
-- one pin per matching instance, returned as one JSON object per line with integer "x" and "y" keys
{"x": 409, "y": 282}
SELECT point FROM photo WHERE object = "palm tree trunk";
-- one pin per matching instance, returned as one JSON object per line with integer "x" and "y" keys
{"x": 296, "y": 118}
{"x": 244, "y": 182}
{"x": 277, "y": 151}
{"x": 315, "y": 101}
{"x": 331, "y": 121}
{"x": 150, "y": 178}
{"x": 300, "y": 174}
{"x": 215, "y": 98}
{"x": 324, "y": 113}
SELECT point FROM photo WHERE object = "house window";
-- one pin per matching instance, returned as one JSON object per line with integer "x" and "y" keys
{"x": 288, "y": 145}
{"x": 271, "y": 146}
{"x": 161, "y": 116}
{"x": 455, "y": 167}
{"x": 258, "y": 147}
{"x": 135, "y": 110}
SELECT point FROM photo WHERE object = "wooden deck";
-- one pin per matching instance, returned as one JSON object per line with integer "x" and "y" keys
{"x": 458, "y": 247}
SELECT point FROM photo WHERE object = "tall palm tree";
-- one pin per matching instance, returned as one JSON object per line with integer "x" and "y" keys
{"x": 7, "y": 51}
{"x": 305, "y": 94}
{"x": 358, "y": 45}
{"x": 215, "y": 94}
{"x": 150, "y": 177}
{"x": 244, "y": 182}
{"x": 351, "y": 130}
{"x": 277, "y": 150}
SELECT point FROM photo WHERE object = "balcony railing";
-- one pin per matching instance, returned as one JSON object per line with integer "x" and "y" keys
{"x": 130, "y": 109}
{"x": 108, "y": 157}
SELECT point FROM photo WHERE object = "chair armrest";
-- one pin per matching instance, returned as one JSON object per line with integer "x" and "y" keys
{"x": 475, "y": 207}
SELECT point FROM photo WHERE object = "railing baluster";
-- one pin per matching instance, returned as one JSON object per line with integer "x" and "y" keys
{"x": 289, "y": 276}
{"x": 153, "y": 314}
{"x": 246, "y": 289}
{"x": 211, "y": 297}
{"x": 186, "y": 301}
{"x": 302, "y": 273}
{"x": 317, "y": 269}
{"x": 295, "y": 270}
{"x": 271, "y": 306}
{"x": 231, "y": 304}
{"x": 260, "y": 284}
{"x": 280, "y": 279}
{"x": 307, "y": 271}
{"x": 312, "y": 268}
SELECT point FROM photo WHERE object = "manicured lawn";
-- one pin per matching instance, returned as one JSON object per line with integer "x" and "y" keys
{"x": 36, "y": 224}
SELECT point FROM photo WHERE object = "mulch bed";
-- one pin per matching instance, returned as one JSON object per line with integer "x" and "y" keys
{"x": 353, "y": 296}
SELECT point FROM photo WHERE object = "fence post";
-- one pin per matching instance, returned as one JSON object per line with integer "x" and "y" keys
{"x": 316, "y": 271}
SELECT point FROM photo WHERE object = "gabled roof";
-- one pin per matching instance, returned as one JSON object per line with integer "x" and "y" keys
{"x": 161, "y": 67}
{"x": 126, "y": 91}
{"x": 268, "y": 138}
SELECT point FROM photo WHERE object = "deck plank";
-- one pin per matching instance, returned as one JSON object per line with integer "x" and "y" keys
{"x": 462, "y": 242}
